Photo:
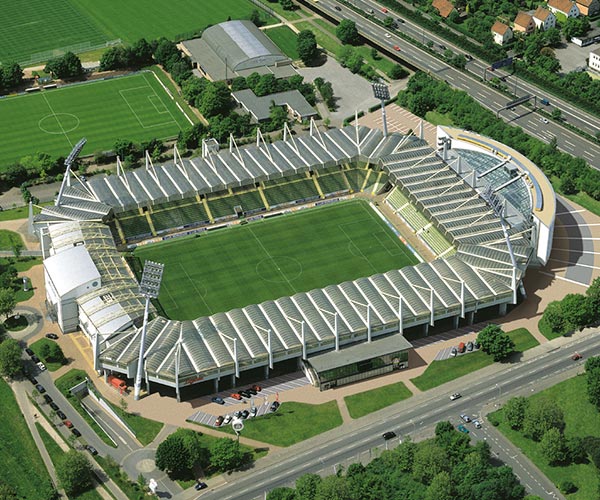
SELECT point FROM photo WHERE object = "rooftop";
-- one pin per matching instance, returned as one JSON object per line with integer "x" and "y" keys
{"x": 80, "y": 265}
{"x": 260, "y": 107}
{"x": 500, "y": 28}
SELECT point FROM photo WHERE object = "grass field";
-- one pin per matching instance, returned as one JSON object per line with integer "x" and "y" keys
{"x": 264, "y": 260}
{"x": 134, "y": 108}
{"x": 285, "y": 39}
{"x": 363, "y": 403}
{"x": 36, "y": 347}
{"x": 10, "y": 240}
{"x": 581, "y": 418}
{"x": 440, "y": 372}
{"x": 32, "y": 30}
{"x": 22, "y": 465}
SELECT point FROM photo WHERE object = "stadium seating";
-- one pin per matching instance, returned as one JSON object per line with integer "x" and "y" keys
{"x": 356, "y": 178}
{"x": 286, "y": 193}
{"x": 332, "y": 182}
{"x": 181, "y": 214}
{"x": 135, "y": 226}
{"x": 284, "y": 180}
{"x": 435, "y": 240}
{"x": 250, "y": 201}
{"x": 415, "y": 219}
{"x": 396, "y": 199}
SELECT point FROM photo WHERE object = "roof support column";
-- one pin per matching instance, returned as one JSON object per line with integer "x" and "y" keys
{"x": 399, "y": 297}
{"x": 368, "y": 306}
{"x": 336, "y": 332}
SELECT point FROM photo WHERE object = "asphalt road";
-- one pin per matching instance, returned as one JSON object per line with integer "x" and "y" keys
{"x": 521, "y": 116}
{"x": 412, "y": 416}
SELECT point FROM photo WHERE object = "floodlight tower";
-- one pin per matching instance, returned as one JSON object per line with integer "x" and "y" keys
{"x": 68, "y": 162}
{"x": 149, "y": 287}
{"x": 382, "y": 92}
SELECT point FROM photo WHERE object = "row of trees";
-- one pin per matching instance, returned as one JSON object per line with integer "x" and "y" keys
{"x": 443, "y": 468}
{"x": 575, "y": 311}
{"x": 11, "y": 76}
{"x": 424, "y": 93}
{"x": 65, "y": 66}
{"x": 182, "y": 452}
{"x": 136, "y": 56}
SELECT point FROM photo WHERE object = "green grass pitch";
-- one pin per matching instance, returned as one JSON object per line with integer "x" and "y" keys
{"x": 35, "y": 26}
{"x": 134, "y": 108}
{"x": 249, "y": 264}
{"x": 285, "y": 39}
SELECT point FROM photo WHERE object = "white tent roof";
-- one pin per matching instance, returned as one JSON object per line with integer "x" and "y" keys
{"x": 72, "y": 268}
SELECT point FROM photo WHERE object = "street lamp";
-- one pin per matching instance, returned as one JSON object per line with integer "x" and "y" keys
{"x": 149, "y": 287}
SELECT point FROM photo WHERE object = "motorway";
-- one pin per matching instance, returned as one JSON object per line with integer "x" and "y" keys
{"x": 327, "y": 451}
{"x": 521, "y": 116}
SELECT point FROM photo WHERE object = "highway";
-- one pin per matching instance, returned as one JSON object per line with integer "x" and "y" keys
{"x": 521, "y": 116}
{"x": 328, "y": 450}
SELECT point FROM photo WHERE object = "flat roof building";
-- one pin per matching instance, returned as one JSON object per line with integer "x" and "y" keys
{"x": 260, "y": 107}
{"x": 236, "y": 48}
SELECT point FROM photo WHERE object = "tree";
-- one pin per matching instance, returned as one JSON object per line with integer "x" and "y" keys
{"x": 287, "y": 4}
{"x": 397, "y": 72}
{"x": 405, "y": 455}
{"x": 389, "y": 22}
{"x": 8, "y": 301}
{"x": 593, "y": 386}
{"x": 56, "y": 354}
{"x": 514, "y": 411}
{"x": 67, "y": 66}
{"x": 429, "y": 461}
{"x": 10, "y": 358}
{"x": 74, "y": 472}
{"x": 440, "y": 488}
{"x": 113, "y": 58}
{"x": 166, "y": 51}
{"x": 495, "y": 342}
{"x": 347, "y": 32}
{"x": 215, "y": 100}
{"x": 45, "y": 351}
{"x": 333, "y": 488}
{"x": 180, "y": 452}
{"x": 553, "y": 447}
{"x": 306, "y": 486}
{"x": 255, "y": 18}
{"x": 541, "y": 416}
{"x": 282, "y": 493}
{"x": 7, "y": 492}
{"x": 554, "y": 318}
{"x": 592, "y": 363}
{"x": 225, "y": 455}
{"x": 576, "y": 311}
{"x": 141, "y": 52}
{"x": 306, "y": 45}
{"x": 12, "y": 75}
{"x": 593, "y": 295}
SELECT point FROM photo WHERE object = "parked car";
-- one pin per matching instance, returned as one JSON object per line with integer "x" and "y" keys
{"x": 236, "y": 396}
{"x": 469, "y": 346}
{"x": 476, "y": 344}
{"x": 61, "y": 415}
{"x": 40, "y": 388}
{"x": 257, "y": 388}
{"x": 219, "y": 421}
{"x": 227, "y": 419}
{"x": 52, "y": 336}
{"x": 468, "y": 57}
{"x": 91, "y": 449}
{"x": 455, "y": 396}
{"x": 576, "y": 356}
{"x": 477, "y": 424}
{"x": 47, "y": 398}
{"x": 251, "y": 391}
{"x": 35, "y": 359}
{"x": 462, "y": 428}
{"x": 200, "y": 485}
{"x": 68, "y": 424}
{"x": 237, "y": 414}
{"x": 275, "y": 405}
{"x": 253, "y": 411}
{"x": 29, "y": 351}
{"x": 442, "y": 46}
{"x": 41, "y": 366}
{"x": 218, "y": 400}
{"x": 75, "y": 432}
{"x": 54, "y": 406}
{"x": 246, "y": 394}
{"x": 461, "y": 347}
{"x": 454, "y": 351}
{"x": 389, "y": 435}
{"x": 32, "y": 379}
{"x": 244, "y": 414}
{"x": 466, "y": 418}
{"x": 400, "y": 20}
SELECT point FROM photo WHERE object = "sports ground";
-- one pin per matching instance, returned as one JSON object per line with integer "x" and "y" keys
{"x": 30, "y": 28}
{"x": 134, "y": 108}
{"x": 248, "y": 264}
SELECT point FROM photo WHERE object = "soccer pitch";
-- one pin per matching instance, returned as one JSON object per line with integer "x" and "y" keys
{"x": 265, "y": 260}
{"x": 51, "y": 121}
{"x": 41, "y": 26}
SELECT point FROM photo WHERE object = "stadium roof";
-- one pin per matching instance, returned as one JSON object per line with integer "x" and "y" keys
{"x": 81, "y": 269}
{"x": 237, "y": 48}
{"x": 260, "y": 107}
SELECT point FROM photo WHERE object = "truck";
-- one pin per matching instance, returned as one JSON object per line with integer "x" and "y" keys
{"x": 117, "y": 383}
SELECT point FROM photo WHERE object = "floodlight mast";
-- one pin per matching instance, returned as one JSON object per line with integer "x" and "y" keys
{"x": 149, "y": 288}
{"x": 68, "y": 162}
{"x": 382, "y": 92}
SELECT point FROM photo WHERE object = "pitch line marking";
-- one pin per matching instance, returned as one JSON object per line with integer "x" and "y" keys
{"x": 57, "y": 120}
{"x": 169, "y": 111}
{"x": 136, "y": 115}
{"x": 195, "y": 288}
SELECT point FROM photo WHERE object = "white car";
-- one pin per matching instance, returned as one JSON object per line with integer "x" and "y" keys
{"x": 41, "y": 365}
{"x": 227, "y": 419}
{"x": 544, "y": 120}
{"x": 455, "y": 396}
{"x": 477, "y": 424}
{"x": 387, "y": 35}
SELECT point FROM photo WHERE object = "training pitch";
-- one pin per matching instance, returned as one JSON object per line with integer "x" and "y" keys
{"x": 134, "y": 108}
{"x": 234, "y": 267}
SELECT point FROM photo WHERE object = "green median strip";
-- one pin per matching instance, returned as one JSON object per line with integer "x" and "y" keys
{"x": 363, "y": 403}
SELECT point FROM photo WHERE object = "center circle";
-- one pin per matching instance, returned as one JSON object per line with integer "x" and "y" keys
{"x": 279, "y": 269}
{"x": 58, "y": 123}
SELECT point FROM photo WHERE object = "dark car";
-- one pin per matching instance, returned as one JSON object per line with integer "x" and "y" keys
{"x": 29, "y": 351}
{"x": 52, "y": 336}
{"x": 91, "y": 449}
{"x": 389, "y": 435}
{"x": 61, "y": 415}
{"x": 257, "y": 388}
{"x": 400, "y": 20}
{"x": 251, "y": 391}
{"x": 76, "y": 432}
{"x": 40, "y": 388}
{"x": 337, "y": 7}
{"x": 576, "y": 356}
{"x": 32, "y": 379}
{"x": 200, "y": 485}
{"x": 219, "y": 421}
{"x": 218, "y": 400}
{"x": 246, "y": 394}
{"x": 47, "y": 398}
{"x": 54, "y": 406}
{"x": 442, "y": 46}
{"x": 275, "y": 405}
{"x": 245, "y": 414}
{"x": 468, "y": 57}
{"x": 35, "y": 359}
{"x": 469, "y": 346}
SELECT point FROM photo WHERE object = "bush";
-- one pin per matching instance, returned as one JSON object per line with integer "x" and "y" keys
{"x": 567, "y": 487}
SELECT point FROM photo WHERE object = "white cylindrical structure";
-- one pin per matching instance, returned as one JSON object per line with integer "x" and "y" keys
{"x": 138, "y": 378}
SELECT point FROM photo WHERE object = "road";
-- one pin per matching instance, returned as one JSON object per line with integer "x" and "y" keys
{"x": 423, "y": 411}
{"x": 521, "y": 116}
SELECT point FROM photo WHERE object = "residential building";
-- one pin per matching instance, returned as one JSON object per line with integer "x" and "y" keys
{"x": 564, "y": 7}
{"x": 544, "y": 19}
{"x": 594, "y": 60}
{"x": 444, "y": 7}
{"x": 588, "y": 7}
{"x": 502, "y": 33}
{"x": 524, "y": 23}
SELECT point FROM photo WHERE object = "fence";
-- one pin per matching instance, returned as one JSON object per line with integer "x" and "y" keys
{"x": 77, "y": 48}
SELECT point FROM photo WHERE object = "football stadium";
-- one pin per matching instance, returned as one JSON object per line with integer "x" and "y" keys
{"x": 287, "y": 254}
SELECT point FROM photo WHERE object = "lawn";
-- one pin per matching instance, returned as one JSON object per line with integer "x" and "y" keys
{"x": 546, "y": 330}
{"x": 10, "y": 240}
{"x": 37, "y": 348}
{"x": 329, "y": 42}
{"x": 134, "y": 108}
{"x": 145, "y": 429}
{"x": 440, "y": 372}
{"x": 290, "y": 15}
{"x": 436, "y": 118}
{"x": 268, "y": 259}
{"x": 285, "y": 39}
{"x": 22, "y": 465}
{"x": 363, "y": 403}
{"x": 16, "y": 213}
{"x": 582, "y": 419}
{"x": 291, "y": 423}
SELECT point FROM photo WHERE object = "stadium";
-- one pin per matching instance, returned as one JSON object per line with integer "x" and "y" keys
{"x": 483, "y": 210}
